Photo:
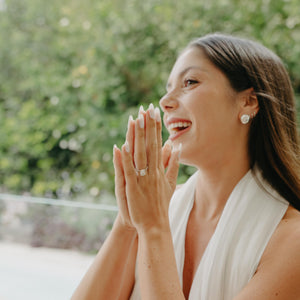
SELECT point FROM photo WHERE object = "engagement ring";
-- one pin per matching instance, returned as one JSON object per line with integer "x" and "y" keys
{"x": 141, "y": 172}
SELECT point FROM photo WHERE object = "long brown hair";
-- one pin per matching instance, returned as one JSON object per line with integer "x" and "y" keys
{"x": 273, "y": 138}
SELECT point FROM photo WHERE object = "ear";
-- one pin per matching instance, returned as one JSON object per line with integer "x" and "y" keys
{"x": 248, "y": 103}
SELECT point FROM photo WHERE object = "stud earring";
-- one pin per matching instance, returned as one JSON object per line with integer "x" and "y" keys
{"x": 245, "y": 119}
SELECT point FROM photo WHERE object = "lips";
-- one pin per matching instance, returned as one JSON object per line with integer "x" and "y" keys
{"x": 177, "y": 126}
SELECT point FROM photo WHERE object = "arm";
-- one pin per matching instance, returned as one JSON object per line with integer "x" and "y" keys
{"x": 111, "y": 276}
{"x": 157, "y": 268}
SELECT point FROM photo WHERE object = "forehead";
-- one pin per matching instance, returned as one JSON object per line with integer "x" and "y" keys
{"x": 191, "y": 58}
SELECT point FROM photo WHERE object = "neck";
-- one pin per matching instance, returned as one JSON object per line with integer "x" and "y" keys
{"x": 214, "y": 186}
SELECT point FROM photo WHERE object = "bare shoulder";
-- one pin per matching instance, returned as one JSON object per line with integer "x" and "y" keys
{"x": 289, "y": 228}
{"x": 281, "y": 259}
{"x": 286, "y": 238}
{"x": 291, "y": 215}
{"x": 278, "y": 272}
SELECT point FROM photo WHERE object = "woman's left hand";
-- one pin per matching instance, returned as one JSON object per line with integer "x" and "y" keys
{"x": 148, "y": 187}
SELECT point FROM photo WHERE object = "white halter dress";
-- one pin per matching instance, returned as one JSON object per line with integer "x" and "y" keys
{"x": 250, "y": 216}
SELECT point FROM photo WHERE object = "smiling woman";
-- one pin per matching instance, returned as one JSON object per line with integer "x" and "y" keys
{"x": 232, "y": 230}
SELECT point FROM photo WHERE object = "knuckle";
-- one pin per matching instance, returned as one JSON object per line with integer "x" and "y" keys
{"x": 140, "y": 132}
{"x": 130, "y": 173}
{"x": 119, "y": 179}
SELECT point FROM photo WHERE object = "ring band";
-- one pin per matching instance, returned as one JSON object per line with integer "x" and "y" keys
{"x": 141, "y": 172}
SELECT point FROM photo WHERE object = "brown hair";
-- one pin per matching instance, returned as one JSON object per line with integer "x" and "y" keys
{"x": 273, "y": 138}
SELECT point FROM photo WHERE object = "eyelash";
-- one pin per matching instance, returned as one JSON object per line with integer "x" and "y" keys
{"x": 189, "y": 82}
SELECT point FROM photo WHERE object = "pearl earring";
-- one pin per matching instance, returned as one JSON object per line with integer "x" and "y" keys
{"x": 245, "y": 119}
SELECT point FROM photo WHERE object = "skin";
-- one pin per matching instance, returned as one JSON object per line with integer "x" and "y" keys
{"x": 202, "y": 96}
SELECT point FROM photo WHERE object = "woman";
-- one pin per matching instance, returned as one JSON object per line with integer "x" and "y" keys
{"x": 232, "y": 231}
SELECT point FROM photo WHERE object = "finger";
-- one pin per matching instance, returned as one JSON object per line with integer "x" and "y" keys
{"x": 158, "y": 136}
{"x": 120, "y": 182}
{"x": 140, "y": 155}
{"x": 173, "y": 167}
{"x": 166, "y": 153}
{"x": 130, "y": 133}
{"x": 151, "y": 140}
{"x": 128, "y": 167}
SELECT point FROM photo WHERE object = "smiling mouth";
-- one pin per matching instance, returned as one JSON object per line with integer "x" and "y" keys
{"x": 176, "y": 127}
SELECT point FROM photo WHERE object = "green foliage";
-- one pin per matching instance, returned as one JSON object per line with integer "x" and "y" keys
{"x": 72, "y": 71}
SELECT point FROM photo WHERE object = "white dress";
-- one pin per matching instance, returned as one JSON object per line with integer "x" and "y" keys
{"x": 250, "y": 216}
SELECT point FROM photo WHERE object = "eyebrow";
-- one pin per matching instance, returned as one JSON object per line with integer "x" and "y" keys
{"x": 184, "y": 71}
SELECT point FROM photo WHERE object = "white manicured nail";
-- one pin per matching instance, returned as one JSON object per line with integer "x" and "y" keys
{"x": 157, "y": 114}
{"x": 141, "y": 110}
{"x": 129, "y": 120}
{"x": 151, "y": 111}
{"x": 179, "y": 150}
{"x": 115, "y": 148}
{"x": 141, "y": 121}
{"x": 169, "y": 142}
{"x": 127, "y": 147}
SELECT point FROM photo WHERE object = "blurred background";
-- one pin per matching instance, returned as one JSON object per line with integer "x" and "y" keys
{"x": 71, "y": 72}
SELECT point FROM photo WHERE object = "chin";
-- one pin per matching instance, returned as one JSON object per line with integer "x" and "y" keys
{"x": 186, "y": 161}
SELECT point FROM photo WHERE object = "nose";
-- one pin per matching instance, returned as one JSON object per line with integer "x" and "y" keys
{"x": 168, "y": 102}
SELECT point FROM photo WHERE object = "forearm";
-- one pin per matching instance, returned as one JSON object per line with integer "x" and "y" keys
{"x": 111, "y": 275}
{"x": 157, "y": 268}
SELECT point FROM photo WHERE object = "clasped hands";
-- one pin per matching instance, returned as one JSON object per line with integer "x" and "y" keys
{"x": 145, "y": 173}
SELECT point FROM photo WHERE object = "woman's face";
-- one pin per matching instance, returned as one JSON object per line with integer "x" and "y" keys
{"x": 201, "y": 110}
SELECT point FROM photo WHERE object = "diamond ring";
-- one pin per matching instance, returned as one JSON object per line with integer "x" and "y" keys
{"x": 141, "y": 172}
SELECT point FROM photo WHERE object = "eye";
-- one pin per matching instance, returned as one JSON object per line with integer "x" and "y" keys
{"x": 189, "y": 82}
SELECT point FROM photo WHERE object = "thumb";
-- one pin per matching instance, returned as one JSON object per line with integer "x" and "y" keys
{"x": 173, "y": 166}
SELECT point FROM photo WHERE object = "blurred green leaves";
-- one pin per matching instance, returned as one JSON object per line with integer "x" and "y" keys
{"x": 73, "y": 71}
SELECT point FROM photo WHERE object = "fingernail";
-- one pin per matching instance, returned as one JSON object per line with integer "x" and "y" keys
{"x": 179, "y": 150}
{"x": 157, "y": 114}
{"x": 169, "y": 142}
{"x": 114, "y": 149}
{"x": 127, "y": 147}
{"x": 141, "y": 121}
{"x": 151, "y": 111}
{"x": 141, "y": 110}
{"x": 129, "y": 120}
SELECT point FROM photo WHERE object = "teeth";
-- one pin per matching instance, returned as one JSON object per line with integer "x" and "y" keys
{"x": 178, "y": 125}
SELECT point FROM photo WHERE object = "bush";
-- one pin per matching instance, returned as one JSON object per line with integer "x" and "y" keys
{"x": 73, "y": 71}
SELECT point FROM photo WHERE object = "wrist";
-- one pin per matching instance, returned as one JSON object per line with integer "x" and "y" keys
{"x": 154, "y": 231}
{"x": 123, "y": 227}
